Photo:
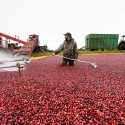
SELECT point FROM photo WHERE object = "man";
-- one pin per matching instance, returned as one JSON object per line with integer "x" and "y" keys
{"x": 69, "y": 48}
{"x": 0, "y": 41}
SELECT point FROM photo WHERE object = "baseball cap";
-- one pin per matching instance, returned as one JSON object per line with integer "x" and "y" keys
{"x": 68, "y": 34}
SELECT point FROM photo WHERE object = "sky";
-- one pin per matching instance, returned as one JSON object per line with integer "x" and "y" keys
{"x": 50, "y": 19}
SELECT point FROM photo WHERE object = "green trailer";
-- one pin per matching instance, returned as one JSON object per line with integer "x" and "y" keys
{"x": 101, "y": 41}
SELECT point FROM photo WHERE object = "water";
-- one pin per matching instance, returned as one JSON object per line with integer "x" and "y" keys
{"x": 9, "y": 62}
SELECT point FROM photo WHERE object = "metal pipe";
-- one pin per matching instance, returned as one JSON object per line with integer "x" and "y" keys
{"x": 92, "y": 64}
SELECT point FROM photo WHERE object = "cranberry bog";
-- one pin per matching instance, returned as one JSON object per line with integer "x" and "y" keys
{"x": 50, "y": 94}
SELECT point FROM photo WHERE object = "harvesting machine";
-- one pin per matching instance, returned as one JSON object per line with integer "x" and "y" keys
{"x": 19, "y": 55}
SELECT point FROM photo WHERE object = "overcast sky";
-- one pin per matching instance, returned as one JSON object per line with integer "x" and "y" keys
{"x": 50, "y": 19}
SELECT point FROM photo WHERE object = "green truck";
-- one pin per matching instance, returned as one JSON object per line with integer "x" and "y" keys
{"x": 101, "y": 41}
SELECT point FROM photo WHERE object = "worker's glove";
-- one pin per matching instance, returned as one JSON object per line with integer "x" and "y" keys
{"x": 76, "y": 56}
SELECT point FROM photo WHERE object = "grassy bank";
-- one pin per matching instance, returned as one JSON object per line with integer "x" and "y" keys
{"x": 102, "y": 52}
{"x": 44, "y": 53}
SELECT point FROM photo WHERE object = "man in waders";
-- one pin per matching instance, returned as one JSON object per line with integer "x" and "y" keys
{"x": 69, "y": 48}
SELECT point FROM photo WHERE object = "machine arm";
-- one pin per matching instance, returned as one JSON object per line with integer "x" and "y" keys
{"x": 12, "y": 38}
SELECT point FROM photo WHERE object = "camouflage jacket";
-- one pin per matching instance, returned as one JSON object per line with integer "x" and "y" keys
{"x": 69, "y": 49}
